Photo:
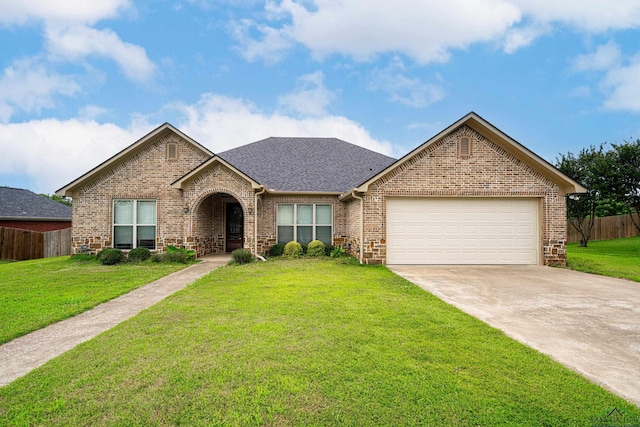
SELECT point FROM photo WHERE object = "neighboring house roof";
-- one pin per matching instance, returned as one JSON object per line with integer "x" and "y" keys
{"x": 160, "y": 131}
{"x": 494, "y": 134}
{"x": 25, "y": 205}
{"x": 306, "y": 164}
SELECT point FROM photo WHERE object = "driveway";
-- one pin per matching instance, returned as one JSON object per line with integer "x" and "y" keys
{"x": 588, "y": 323}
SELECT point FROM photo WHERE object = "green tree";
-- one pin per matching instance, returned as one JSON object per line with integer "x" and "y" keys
{"x": 590, "y": 168}
{"x": 63, "y": 200}
{"x": 624, "y": 177}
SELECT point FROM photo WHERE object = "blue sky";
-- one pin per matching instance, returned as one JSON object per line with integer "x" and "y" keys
{"x": 79, "y": 81}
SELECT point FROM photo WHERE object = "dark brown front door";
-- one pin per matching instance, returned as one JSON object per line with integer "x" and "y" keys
{"x": 235, "y": 221}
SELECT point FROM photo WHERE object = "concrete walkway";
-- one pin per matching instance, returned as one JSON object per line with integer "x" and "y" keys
{"x": 20, "y": 356}
{"x": 588, "y": 323}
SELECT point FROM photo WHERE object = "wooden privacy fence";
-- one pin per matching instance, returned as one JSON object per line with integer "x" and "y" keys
{"x": 606, "y": 228}
{"x": 20, "y": 245}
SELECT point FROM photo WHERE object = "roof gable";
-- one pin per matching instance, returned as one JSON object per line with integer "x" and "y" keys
{"x": 206, "y": 165}
{"x": 128, "y": 152}
{"x": 20, "y": 204}
{"x": 510, "y": 145}
{"x": 306, "y": 164}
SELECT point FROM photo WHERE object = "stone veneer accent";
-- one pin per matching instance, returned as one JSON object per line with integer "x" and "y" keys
{"x": 490, "y": 171}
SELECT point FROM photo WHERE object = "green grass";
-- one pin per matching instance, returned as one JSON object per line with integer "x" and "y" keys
{"x": 303, "y": 342}
{"x": 5, "y": 261}
{"x": 615, "y": 258}
{"x": 36, "y": 293}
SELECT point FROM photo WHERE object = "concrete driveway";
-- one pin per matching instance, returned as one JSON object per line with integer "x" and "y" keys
{"x": 588, "y": 323}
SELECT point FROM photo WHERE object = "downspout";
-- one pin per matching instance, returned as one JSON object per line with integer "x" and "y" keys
{"x": 353, "y": 194}
{"x": 255, "y": 219}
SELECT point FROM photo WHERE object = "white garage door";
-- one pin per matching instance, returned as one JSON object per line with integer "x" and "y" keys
{"x": 462, "y": 231}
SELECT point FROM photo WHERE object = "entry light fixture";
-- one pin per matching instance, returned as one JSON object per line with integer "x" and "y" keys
{"x": 186, "y": 209}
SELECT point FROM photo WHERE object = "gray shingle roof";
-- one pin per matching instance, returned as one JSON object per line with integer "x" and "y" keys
{"x": 307, "y": 164}
{"x": 19, "y": 203}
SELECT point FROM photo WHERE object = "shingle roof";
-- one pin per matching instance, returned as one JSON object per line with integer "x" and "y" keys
{"x": 18, "y": 203}
{"x": 307, "y": 164}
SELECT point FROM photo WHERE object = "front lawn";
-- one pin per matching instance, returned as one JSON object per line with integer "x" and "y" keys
{"x": 36, "y": 293}
{"x": 615, "y": 258}
{"x": 304, "y": 342}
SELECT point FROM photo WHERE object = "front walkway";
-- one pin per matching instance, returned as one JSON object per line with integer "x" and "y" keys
{"x": 20, "y": 356}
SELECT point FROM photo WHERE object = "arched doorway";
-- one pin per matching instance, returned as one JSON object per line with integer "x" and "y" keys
{"x": 219, "y": 222}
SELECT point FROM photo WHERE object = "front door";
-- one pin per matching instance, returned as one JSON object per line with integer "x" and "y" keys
{"x": 234, "y": 227}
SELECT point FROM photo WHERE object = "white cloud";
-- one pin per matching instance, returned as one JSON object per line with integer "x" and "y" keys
{"x": 426, "y": 31}
{"x": 52, "y": 153}
{"x": 619, "y": 83}
{"x": 405, "y": 90}
{"x": 22, "y": 11}
{"x": 55, "y": 152}
{"x": 623, "y": 87}
{"x": 28, "y": 86}
{"x": 74, "y": 43}
{"x": 91, "y": 112}
{"x": 221, "y": 123}
{"x": 310, "y": 98}
{"x": 605, "y": 57}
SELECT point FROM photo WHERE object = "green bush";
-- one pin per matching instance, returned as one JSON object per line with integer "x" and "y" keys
{"x": 242, "y": 256}
{"x": 176, "y": 256}
{"x": 338, "y": 252}
{"x": 328, "y": 249}
{"x": 276, "y": 250}
{"x": 315, "y": 248}
{"x": 139, "y": 255}
{"x": 188, "y": 253}
{"x": 293, "y": 250}
{"x": 304, "y": 248}
{"x": 111, "y": 256}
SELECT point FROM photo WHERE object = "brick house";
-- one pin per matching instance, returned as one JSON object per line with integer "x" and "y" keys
{"x": 26, "y": 210}
{"x": 469, "y": 195}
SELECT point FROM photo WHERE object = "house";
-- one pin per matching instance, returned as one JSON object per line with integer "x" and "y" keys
{"x": 469, "y": 195}
{"x": 26, "y": 210}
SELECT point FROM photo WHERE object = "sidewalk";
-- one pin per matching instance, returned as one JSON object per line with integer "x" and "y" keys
{"x": 20, "y": 356}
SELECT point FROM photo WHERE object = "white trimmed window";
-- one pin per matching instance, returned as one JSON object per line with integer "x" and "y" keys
{"x": 304, "y": 223}
{"x": 134, "y": 224}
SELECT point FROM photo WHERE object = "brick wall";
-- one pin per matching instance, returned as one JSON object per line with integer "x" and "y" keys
{"x": 490, "y": 171}
{"x": 267, "y": 209}
{"x": 41, "y": 226}
{"x": 147, "y": 174}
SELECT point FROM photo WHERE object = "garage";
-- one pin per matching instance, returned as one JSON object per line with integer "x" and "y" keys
{"x": 463, "y": 231}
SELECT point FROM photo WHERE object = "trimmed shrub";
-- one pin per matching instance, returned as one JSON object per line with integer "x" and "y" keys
{"x": 178, "y": 257}
{"x": 111, "y": 256}
{"x": 315, "y": 248}
{"x": 242, "y": 256}
{"x": 139, "y": 255}
{"x": 276, "y": 250}
{"x": 328, "y": 249}
{"x": 304, "y": 248}
{"x": 293, "y": 250}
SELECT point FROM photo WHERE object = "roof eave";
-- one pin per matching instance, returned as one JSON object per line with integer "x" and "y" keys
{"x": 67, "y": 190}
{"x": 180, "y": 182}
{"x": 32, "y": 218}
{"x": 302, "y": 193}
{"x": 486, "y": 129}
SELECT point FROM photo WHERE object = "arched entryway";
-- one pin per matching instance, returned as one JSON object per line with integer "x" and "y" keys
{"x": 219, "y": 224}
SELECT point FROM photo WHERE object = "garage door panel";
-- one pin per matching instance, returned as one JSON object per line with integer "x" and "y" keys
{"x": 462, "y": 231}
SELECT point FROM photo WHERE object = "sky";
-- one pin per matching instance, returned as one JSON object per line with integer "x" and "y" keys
{"x": 81, "y": 80}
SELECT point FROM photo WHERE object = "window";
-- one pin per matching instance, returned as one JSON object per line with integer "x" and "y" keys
{"x": 304, "y": 223}
{"x": 464, "y": 146}
{"x": 134, "y": 224}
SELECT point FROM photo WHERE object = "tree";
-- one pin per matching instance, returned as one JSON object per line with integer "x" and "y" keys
{"x": 624, "y": 174}
{"x": 589, "y": 168}
{"x": 55, "y": 197}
